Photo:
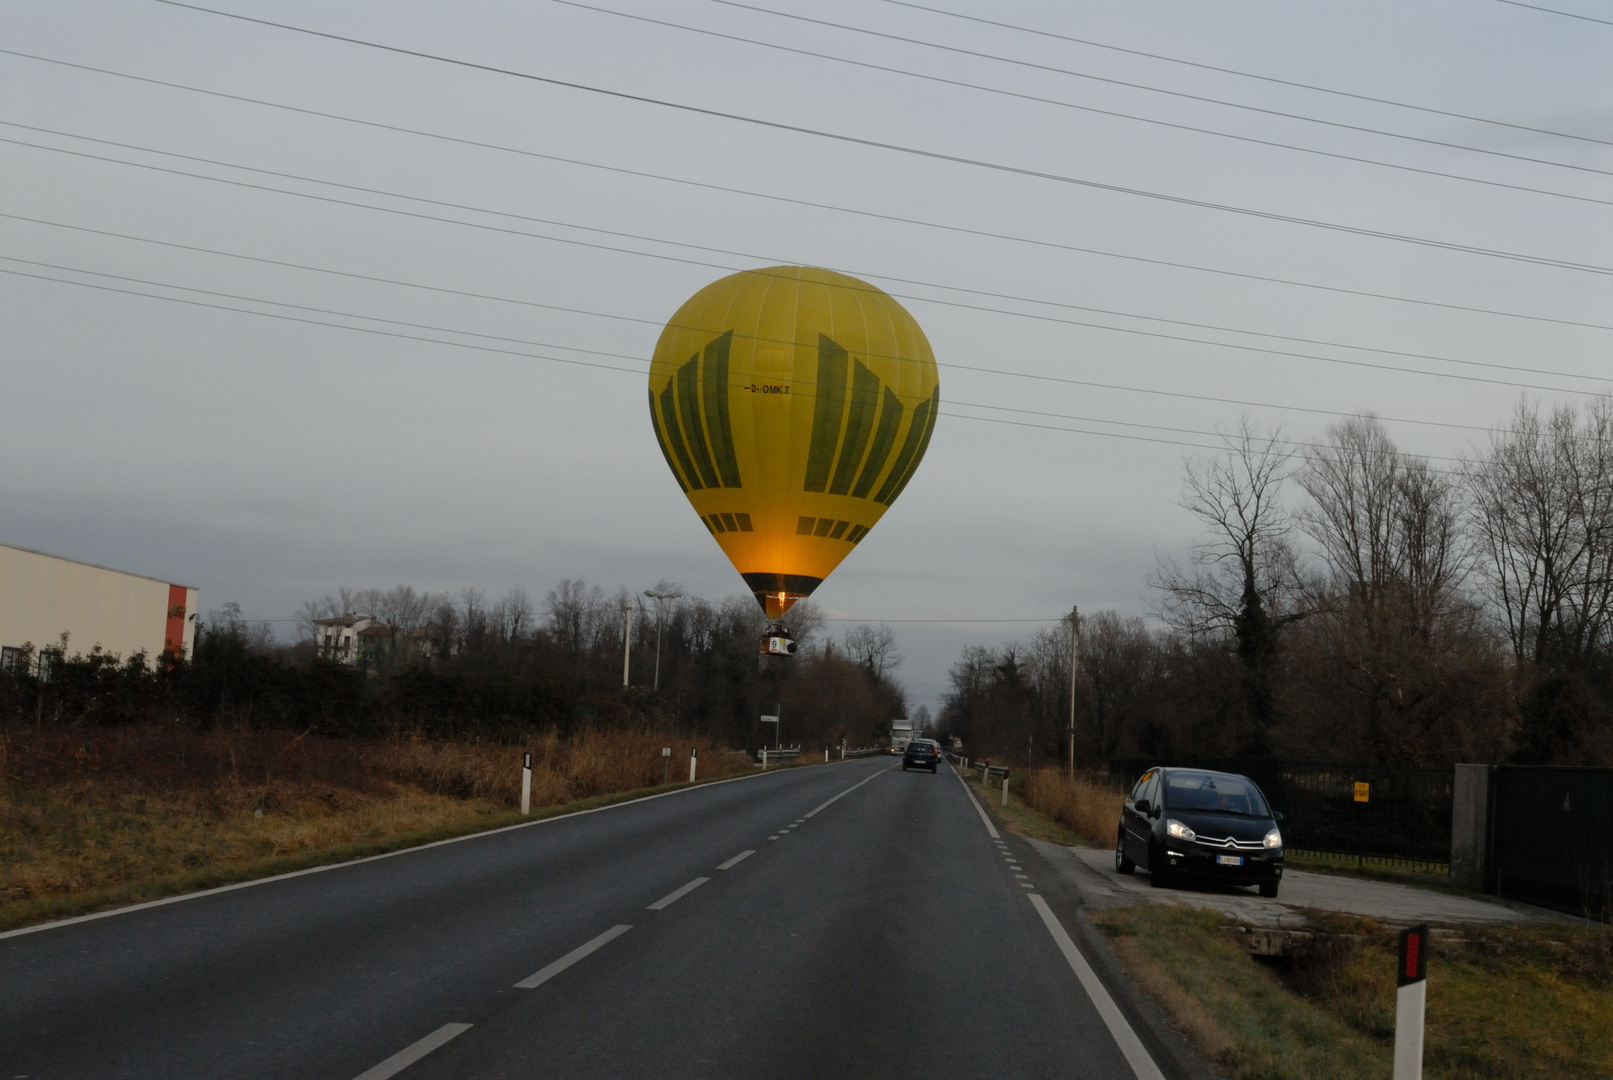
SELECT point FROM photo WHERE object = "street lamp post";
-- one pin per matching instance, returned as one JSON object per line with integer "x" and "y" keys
{"x": 660, "y": 595}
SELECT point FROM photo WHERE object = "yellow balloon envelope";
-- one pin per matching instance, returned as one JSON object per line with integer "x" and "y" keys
{"x": 793, "y": 405}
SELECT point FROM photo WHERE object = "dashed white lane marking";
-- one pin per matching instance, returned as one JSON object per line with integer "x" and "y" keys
{"x": 544, "y": 974}
{"x": 413, "y": 1053}
{"x": 678, "y": 894}
{"x": 1132, "y": 1047}
{"x": 1026, "y": 885}
{"x": 815, "y": 811}
{"x": 736, "y": 860}
{"x": 981, "y": 810}
{"x": 772, "y": 838}
{"x": 183, "y": 897}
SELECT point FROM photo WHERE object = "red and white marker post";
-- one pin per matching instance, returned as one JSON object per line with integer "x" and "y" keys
{"x": 1411, "y": 997}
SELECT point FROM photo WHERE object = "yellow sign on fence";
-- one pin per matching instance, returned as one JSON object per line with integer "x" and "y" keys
{"x": 1362, "y": 790}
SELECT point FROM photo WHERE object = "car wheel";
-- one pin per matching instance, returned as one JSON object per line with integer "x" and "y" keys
{"x": 935, "y": 768}
{"x": 904, "y": 766}
{"x": 1269, "y": 890}
{"x": 1122, "y": 864}
{"x": 1158, "y": 876}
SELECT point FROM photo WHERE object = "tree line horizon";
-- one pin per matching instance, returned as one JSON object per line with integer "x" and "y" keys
{"x": 1344, "y": 601}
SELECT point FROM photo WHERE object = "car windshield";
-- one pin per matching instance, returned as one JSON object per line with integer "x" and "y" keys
{"x": 1213, "y": 791}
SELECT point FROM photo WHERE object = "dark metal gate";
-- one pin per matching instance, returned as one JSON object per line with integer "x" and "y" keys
{"x": 1553, "y": 837}
{"x": 1403, "y": 814}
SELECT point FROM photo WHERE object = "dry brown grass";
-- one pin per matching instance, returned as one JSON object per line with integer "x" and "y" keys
{"x": 1088, "y": 806}
{"x": 91, "y": 817}
{"x": 1188, "y": 1012}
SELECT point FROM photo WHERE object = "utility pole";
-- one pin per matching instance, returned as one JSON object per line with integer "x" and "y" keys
{"x": 1075, "y": 660}
{"x": 659, "y": 595}
{"x": 627, "y": 639}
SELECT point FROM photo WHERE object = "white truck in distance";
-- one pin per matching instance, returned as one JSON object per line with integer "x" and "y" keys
{"x": 901, "y": 735}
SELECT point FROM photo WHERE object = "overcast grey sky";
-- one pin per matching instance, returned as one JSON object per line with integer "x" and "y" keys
{"x": 268, "y": 460}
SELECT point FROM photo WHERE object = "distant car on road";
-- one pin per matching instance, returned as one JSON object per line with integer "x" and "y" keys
{"x": 922, "y": 754}
{"x": 1195, "y": 823}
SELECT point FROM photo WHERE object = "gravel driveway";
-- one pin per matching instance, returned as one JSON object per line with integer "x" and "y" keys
{"x": 1092, "y": 871}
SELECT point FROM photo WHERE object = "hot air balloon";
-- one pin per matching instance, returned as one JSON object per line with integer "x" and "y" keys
{"x": 792, "y": 405}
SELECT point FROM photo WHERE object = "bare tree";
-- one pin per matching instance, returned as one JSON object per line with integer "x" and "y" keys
{"x": 1119, "y": 665}
{"x": 512, "y": 616}
{"x": 1541, "y": 502}
{"x": 874, "y": 647}
{"x": 1387, "y": 525}
{"x": 1243, "y": 579}
{"x": 805, "y": 620}
{"x": 1392, "y": 629}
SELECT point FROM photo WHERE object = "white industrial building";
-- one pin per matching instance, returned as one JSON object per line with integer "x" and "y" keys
{"x": 44, "y": 596}
{"x": 350, "y": 638}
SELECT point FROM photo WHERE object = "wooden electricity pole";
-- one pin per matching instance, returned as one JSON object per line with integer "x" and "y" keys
{"x": 1075, "y": 660}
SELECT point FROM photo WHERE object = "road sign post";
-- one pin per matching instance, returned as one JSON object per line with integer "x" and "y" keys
{"x": 1411, "y": 999}
{"x": 777, "y": 728}
{"x": 526, "y": 783}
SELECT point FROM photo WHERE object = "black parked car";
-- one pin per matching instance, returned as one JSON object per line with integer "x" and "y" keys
{"x": 922, "y": 754}
{"x": 1197, "y": 823}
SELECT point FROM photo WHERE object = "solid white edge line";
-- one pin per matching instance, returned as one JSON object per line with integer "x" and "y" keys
{"x": 132, "y": 908}
{"x": 824, "y": 806}
{"x": 549, "y": 971}
{"x": 412, "y": 1053}
{"x": 981, "y": 810}
{"x": 736, "y": 860}
{"x": 677, "y": 894}
{"x": 1130, "y": 1046}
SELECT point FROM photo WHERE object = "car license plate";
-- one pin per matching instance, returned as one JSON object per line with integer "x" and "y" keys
{"x": 1229, "y": 860}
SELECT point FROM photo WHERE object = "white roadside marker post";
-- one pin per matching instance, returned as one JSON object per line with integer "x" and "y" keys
{"x": 1005, "y": 789}
{"x": 826, "y": 755}
{"x": 694, "y": 753}
{"x": 1411, "y": 997}
{"x": 526, "y": 783}
{"x": 666, "y": 763}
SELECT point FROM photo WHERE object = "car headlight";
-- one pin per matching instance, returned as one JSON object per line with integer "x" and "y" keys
{"x": 1274, "y": 839}
{"x": 1181, "y": 832}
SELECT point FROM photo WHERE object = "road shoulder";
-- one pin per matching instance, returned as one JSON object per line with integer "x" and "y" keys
{"x": 1065, "y": 885}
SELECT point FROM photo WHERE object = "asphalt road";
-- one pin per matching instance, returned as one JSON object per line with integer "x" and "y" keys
{"x": 886, "y": 933}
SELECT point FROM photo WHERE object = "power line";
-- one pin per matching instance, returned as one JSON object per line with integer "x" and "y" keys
{"x": 932, "y": 155}
{"x": 1554, "y": 11}
{"x": 1083, "y": 108}
{"x": 1296, "y": 444}
{"x": 1085, "y": 383}
{"x": 1129, "y": 85}
{"x": 753, "y": 256}
{"x": 1261, "y": 78}
{"x": 734, "y": 375}
{"x": 855, "y": 211}
{"x": 738, "y": 377}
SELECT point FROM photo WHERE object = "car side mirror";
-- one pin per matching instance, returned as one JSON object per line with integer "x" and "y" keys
{"x": 1276, "y": 815}
{"x": 1143, "y": 807}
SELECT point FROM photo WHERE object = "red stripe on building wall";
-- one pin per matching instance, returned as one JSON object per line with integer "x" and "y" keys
{"x": 173, "y": 640}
